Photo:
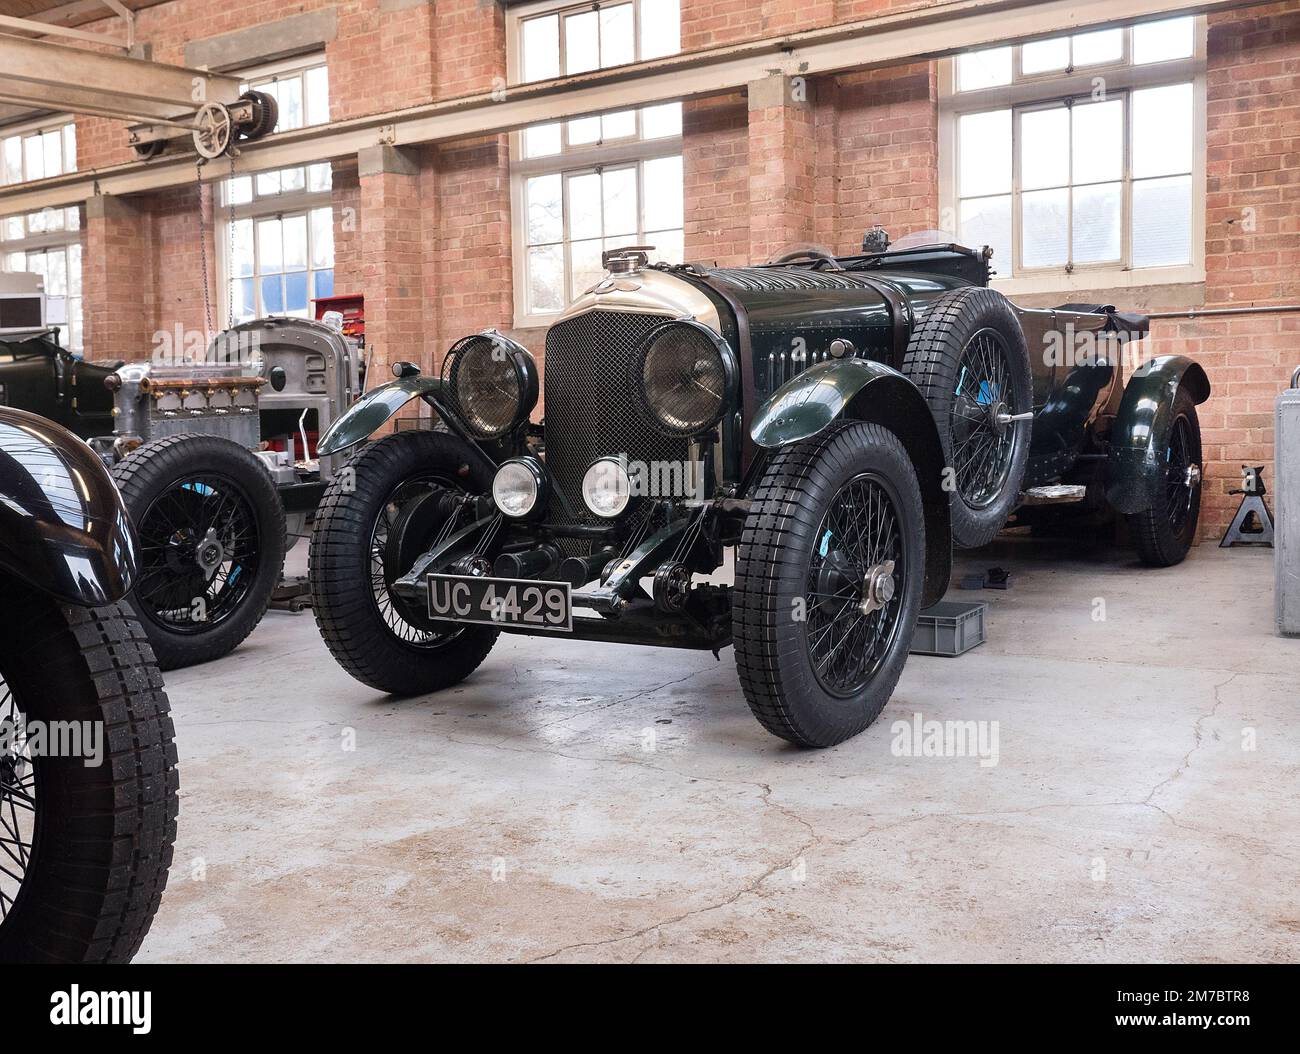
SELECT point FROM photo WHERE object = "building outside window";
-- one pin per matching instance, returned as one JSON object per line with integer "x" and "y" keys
{"x": 48, "y": 242}
{"x": 1080, "y": 159}
{"x": 277, "y": 237}
{"x": 589, "y": 184}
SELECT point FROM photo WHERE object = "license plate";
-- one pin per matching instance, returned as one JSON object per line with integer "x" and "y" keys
{"x": 501, "y": 602}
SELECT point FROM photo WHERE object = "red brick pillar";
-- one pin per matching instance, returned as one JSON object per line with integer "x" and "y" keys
{"x": 782, "y": 165}
{"x": 389, "y": 240}
{"x": 115, "y": 279}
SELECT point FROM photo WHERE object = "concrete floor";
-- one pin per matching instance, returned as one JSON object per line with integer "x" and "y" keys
{"x": 575, "y": 802}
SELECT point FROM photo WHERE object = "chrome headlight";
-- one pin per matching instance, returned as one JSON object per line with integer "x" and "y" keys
{"x": 683, "y": 375}
{"x": 490, "y": 382}
{"x": 606, "y": 488}
{"x": 520, "y": 487}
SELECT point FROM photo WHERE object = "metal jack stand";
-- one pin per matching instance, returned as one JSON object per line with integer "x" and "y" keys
{"x": 1252, "y": 525}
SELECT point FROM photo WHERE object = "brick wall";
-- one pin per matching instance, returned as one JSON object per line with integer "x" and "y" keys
{"x": 862, "y": 151}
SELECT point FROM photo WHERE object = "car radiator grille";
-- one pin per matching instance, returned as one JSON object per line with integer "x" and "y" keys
{"x": 589, "y": 407}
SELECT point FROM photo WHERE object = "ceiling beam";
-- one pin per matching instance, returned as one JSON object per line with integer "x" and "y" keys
{"x": 885, "y": 40}
{"x": 9, "y": 24}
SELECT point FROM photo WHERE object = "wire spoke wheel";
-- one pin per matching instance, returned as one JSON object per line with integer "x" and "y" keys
{"x": 396, "y": 615}
{"x": 199, "y": 553}
{"x": 1180, "y": 480}
{"x": 18, "y": 801}
{"x": 854, "y": 588}
{"x": 982, "y": 447}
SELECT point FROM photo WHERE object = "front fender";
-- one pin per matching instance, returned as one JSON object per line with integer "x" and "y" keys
{"x": 63, "y": 527}
{"x": 374, "y": 410}
{"x": 1135, "y": 480}
{"x": 866, "y": 390}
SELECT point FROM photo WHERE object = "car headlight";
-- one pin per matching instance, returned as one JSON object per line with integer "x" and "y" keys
{"x": 490, "y": 382}
{"x": 519, "y": 487}
{"x": 683, "y": 375}
{"x": 606, "y": 488}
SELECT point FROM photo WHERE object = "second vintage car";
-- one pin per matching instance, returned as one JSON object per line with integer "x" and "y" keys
{"x": 835, "y": 423}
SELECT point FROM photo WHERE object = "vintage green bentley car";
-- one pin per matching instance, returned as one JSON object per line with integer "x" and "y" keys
{"x": 835, "y": 423}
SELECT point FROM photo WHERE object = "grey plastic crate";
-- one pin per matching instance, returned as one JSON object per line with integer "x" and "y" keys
{"x": 949, "y": 628}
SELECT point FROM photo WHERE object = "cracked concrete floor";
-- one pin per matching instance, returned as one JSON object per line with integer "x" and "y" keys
{"x": 607, "y": 803}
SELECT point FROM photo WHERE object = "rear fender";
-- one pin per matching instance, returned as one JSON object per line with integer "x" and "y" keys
{"x": 1135, "y": 476}
{"x": 865, "y": 390}
{"x": 63, "y": 527}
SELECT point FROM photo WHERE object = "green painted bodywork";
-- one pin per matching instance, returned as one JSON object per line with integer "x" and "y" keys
{"x": 373, "y": 410}
{"x": 864, "y": 390}
{"x": 1140, "y": 434}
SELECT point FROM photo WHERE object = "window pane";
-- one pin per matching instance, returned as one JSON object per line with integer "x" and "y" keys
{"x": 587, "y": 269}
{"x": 268, "y": 183}
{"x": 1044, "y": 148}
{"x": 1041, "y": 56}
{"x": 541, "y": 48}
{"x": 325, "y": 282}
{"x": 74, "y": 270}
{"x": 294, "y": 229}
{"x": 290, "y": 97}
{"x": 546, "y": 278}
{"x": 663, "y": 193}
{"x": 987, "y": 221}
{"x": 545, "y": 215}
{"x": 241, "y": 299}
{"x": 52, "y": 147}
{"x": 53, "y": 219}
{"x": 242, "y": 250}
{"x": 542, "y": 140}
{"x": 69, "y": 147}
{"x": 668, "y": 246}
{"x": 1043, "y": 228}
{"x": 581, "y": 42}
{"x": 1098, "y": 223}
{"x": 1162, "y": 222}
{"x": 12, "y": 227}
{"x": 33, "y": 157}
{"x": 619, "y": 191}
{"x": 1092, "y": 49}
{"x": 269, "y": 253}
{"x": 56, "y": 273}
{"x": 295, "y": 295}
{"x": 320, "y": 177}
{"x": 584, "y": 206}
{"x": 292, "y": 179}
{"x": 1162, "y": 130}
{"x": 322, "y": 238}
{"x": 621, "y": 125}
{"x": 1171, "y": 38}
{"x": 661, "y": 22}
{"x": 36, "y": 222}
{"x": 13, "y": 160}
{"x": 985, "y": 153}
{"x": 983, "y": 69}
{"x": 72, "y": 218}
{"x": 56, "y": 310}
{"x": 317, "y": 87}
{"x": 273, "y": 295}
{"x": 1098, "y": 141}
{"x": 617, "y": 44}
{"x": 657, "y": 122}
{"x": 240, "y": 190}
{"x": 584, "y": 130}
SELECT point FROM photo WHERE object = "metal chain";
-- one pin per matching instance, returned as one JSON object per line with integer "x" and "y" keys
{"x": 230, "y": 260}
{"x": 203, "y": 249}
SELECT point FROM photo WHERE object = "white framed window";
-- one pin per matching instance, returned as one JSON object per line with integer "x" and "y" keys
{"x": 48, "y": 242}
{"x": 585, "y": 185}
{"x": 1080, "y": 159}
{"x": 276, "y": 241}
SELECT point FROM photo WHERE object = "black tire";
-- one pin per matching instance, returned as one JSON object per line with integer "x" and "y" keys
{"x": 1164, "y": 533}
{"x": 101, "y": 836}
{"x": 784, "y": 545}
{"x": 376, "y": 638}
{"x": 958, "y": 326}
{"x": 195, "y": 610}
